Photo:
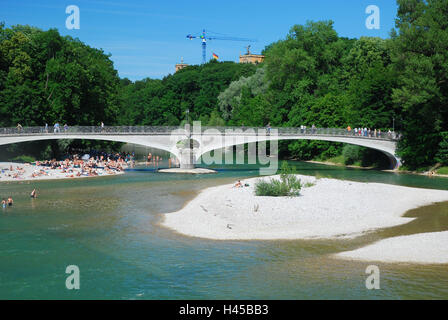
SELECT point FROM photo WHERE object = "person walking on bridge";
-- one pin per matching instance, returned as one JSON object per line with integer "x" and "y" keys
{"x": 57, "y": 128}
{"x": 268, "y": 128}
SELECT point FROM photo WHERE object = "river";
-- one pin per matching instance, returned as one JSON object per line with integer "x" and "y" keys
{"x": 108, "y": 227}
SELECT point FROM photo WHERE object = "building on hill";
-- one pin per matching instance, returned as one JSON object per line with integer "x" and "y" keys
{"x": 251, "y": 58}
{"x": 181, "y": 65}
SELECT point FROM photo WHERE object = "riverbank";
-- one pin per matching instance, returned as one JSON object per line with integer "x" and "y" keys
{"x": 427, "y": 173}
{"x": 29, "y": 172}
{"x": 336, "y": 164}
{"x": 327, "y": 210}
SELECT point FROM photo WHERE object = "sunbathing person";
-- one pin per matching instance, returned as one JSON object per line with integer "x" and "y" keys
{"x": 238, "y": 184}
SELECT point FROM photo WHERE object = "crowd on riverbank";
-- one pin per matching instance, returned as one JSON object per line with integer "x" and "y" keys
{"x": 71, "y": 167}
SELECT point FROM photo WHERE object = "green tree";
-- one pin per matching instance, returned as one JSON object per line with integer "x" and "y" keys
{"x": 216, "y": 120}
{"x": 421, "y": 60}
{"x": 230, "y": 98}
{"x": 442, "y": 154}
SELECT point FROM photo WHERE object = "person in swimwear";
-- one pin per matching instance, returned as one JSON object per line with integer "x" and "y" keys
{"x": 10, "y": 202}
{"x": 34, "y": 194}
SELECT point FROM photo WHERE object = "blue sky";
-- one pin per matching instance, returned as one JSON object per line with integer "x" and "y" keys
{"x": 147, "y": 38}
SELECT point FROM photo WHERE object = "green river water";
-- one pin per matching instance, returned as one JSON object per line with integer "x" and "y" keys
{"x": 108, "y": 227}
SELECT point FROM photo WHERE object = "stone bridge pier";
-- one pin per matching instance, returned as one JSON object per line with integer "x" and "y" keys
{"x": 187, "y": 158}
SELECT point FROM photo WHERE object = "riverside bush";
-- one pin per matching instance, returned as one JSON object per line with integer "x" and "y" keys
{"x": 288, "y": 185}
{"x": 351, "y": 154}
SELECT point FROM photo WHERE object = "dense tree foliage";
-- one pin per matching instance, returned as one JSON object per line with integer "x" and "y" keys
{"x": 230, "y": 99}
{"x": 195, "y": 88}
{"x": 420, "y": 55}
{"x": 46, "y": 78}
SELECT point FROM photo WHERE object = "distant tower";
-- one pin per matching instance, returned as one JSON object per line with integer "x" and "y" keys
{"x": 181, "y": 65}
{"x": 251, "y": 58}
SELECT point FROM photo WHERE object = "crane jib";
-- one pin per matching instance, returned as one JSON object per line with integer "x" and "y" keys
{"x": 204, "y": 39}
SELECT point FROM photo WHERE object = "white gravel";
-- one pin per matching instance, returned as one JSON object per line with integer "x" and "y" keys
{"x": 427, "y": 248}
{"x": 330, "y": 209}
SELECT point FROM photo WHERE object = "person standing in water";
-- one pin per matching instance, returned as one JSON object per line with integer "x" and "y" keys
{"x": 4, "y": 203}
{"x": 33, "y": 194}
{"x": 10, "y": 202}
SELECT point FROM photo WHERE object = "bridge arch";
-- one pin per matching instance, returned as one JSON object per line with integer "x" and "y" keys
{"x": 205, "y": 139}
{"x": 157, "y": 142}
{"x": 387, "y": 147}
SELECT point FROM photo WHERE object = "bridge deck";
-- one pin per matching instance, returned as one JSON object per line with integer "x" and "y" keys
{"x": 168, "y": 130}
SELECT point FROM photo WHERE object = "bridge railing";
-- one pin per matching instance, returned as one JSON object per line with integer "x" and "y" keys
{"x": 309, "y": 131}
{"x": 88, "y": 130}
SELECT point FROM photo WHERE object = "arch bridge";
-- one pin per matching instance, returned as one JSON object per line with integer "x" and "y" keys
{"x": 205, "y": 139}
